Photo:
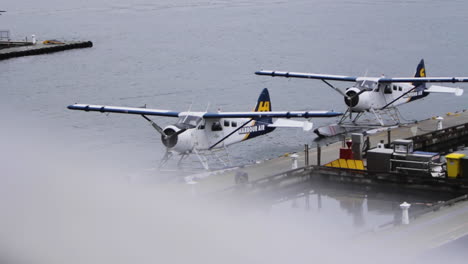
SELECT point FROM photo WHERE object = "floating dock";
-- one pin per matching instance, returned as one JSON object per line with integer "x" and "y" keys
{"x": 11, "y": 49}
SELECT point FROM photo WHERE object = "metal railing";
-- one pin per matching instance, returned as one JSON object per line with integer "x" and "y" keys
{"x": 4, "y": 35}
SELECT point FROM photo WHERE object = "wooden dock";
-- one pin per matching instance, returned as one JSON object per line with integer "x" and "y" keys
{"x": 20, "y": 49}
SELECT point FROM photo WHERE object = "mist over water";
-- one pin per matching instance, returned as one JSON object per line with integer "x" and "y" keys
{"x": 68, "y": 191}
{"x": 59, "y": 204}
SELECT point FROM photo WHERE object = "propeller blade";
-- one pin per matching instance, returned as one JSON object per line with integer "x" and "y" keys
{"x": 224, "y": 138}
{"x": 158, "y": 128}
{"x": 334, "y": 88}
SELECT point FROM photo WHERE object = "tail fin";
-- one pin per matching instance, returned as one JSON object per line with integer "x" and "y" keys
{"x": 420, "y": 72}
{"x": 264, "y": 105}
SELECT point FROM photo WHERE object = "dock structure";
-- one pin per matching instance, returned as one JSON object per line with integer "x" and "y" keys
{"x": 427, "y": 134}
{"x": 429, "y": 230}
{"x": 421, "y": 231}
{"x": 10, "y": 49}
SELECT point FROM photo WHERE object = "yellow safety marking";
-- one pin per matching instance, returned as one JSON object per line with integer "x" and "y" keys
{"x": 335, "y": 164}
{"x": 346, "y": 164}
{"x": 351, "y": 164}
{"x": 359, "y": 165}
{"x": 343, "y": 163}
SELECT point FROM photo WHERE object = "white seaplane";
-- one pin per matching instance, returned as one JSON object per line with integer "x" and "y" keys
{"x": 201, "y": 133}
{"x": 378, "y": 96}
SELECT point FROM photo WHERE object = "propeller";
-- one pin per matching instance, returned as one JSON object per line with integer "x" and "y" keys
{"x": 168, "y": 136}
{"x": 351, "y": 98}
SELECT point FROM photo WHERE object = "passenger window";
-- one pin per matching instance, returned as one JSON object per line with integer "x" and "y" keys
{"x": 216, "y": 127}
{"x": 234, "y": 124}
{"x": 388, "y": 89}
{"x": 399, "y": 88}
{"x": 226, "y": 123}
{"x": 394, "y": 88}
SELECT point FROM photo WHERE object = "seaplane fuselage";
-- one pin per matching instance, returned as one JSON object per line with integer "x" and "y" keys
{"x": 369, "y": 93}
{"x": 207, "y": 132}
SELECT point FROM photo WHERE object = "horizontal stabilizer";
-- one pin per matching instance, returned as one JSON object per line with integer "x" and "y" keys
{"x": 281, "y": 122}
{"x": 443, "y": 89}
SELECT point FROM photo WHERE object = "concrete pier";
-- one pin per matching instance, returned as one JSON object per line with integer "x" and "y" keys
{"x": 19, "y": 49}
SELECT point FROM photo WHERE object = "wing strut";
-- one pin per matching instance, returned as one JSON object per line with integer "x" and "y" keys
{"x": 224, "y": 138}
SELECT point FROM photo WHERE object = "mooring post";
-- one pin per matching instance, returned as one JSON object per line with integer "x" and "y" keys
{"x": 389, "y": 136}
{"x": 294, "y": 161}
{"x": 367, "y": 145}
{"x": 439, "y": 123}
{"x": 404, "y": 214}
{"x": 306, "y": 155}
{"x": 319, "y": 153}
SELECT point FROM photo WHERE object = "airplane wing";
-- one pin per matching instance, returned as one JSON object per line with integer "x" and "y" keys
{"x": 354, "y": 78}
{"x": 123, "y": 110}
{"x": 308, "y": 75}
{"x": 169, "y": 113}
{"x": 284, "y": 114}
{"x": 424, "y": 79}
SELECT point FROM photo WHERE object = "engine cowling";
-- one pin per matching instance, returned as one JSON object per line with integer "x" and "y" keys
{"x": 180, "y": 143}
{"x": 357, "y": 103}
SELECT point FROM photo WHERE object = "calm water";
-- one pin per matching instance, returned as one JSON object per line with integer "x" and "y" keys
{"x": 172, "y": 54}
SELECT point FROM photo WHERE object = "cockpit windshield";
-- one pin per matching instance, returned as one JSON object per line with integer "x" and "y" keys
{"x": 366, "y": 84}
{"x": 189, "y": 121}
